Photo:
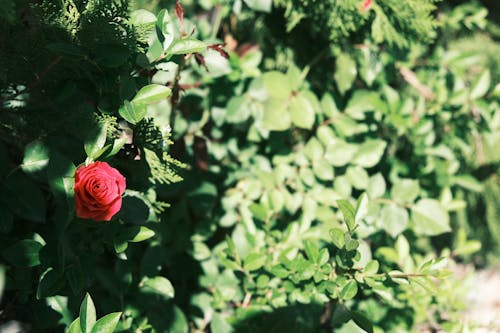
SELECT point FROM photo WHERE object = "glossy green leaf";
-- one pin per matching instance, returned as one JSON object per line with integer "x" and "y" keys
{"x": 75, "y": 326}
{"x": 165, "y": 28}
{"x": 36, "y": 157}
{"x": 348, "y": 212}
{"x": 254, "y": 261}
{"x": 311, "y": 250}
{"x": 136, "y": 234}
{"x": 362, "y": 321}
{"x": 349, "y": 290}
{"x": 107, "y": 324}
{"x": 152, "y": 93}
{"x": 187, "y": 45}
{"x": 337, "y": 236}
{"x": 87, "y": 314}
{"x": 158, "y": 285}
{"x": 132, "y": 112}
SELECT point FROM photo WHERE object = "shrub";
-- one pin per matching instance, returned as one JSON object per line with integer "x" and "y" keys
{"x": 305, "y": 205}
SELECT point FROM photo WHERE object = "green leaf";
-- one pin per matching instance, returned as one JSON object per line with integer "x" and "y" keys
{"x": 136, "y": 234}
{"x": 87, "y": 314}
{"x": 369, "y": 153}
{"x": 259, "y": 211}
{"x": 276, "y": 116}
{"x": 481, "y": 85}
{"x": 376, "y": 186}
{"x": 238, "y": 109}
{"x": 150, "y": 94}
{"x": 51, "y": 282}
{"x": 430, "y": 218}
{"x": 405, "y": 190}
{"x": 260, "y": 5}
{"x": 340, "y": 153}
{"x": 313, "y": 149}
{"x": 361, "y": 208}
{"x": 142, "y": 17}
{"x": 345, "y": 72}
{"x": 36, "y": 157}
{"x": 337, "y": 236}
{"x": 254, "y": 261}
{"x": 120, "y": 246}
{"x": 277, "y": 85}
{"x": 468, "y": 182}
{"x": 350, "y": 243}
{"x": 358, "y": 177}
{"x": 187, "y": 45}
{"x": 107, "y": 324}
{"x": 328, "y": 106}
{"x": 132, "y": 112}
{"x": 349, "y": 290}
{"x": 165, "y": 28}
{"x": 362, "y": 321}
{"x": 312, "y": 250}
{"x": 155, "y": 51}
{"x": 75, "y": 326}
{"x": 323, "y": 170}
{"x": 302, "y": 112}
{"x": 200, "y": 251}
{"x": 348, "y": 212}
{"x": 94, "y": 144}
{"x": 158, "y": 285}
{"x": 24, "y": 253}
{"x": 220, "y": 325}
{"x": 394, "y": 219}
{"x": 371, "y": 267}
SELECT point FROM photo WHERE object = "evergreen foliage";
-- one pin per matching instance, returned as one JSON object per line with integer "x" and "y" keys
{"x": 336, "y": 167}
{"x": 394, "y": 22}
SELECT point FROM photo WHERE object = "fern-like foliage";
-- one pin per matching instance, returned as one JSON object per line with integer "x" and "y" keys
{"x": 155, "y": 144}
{"x": 391, "y": 21}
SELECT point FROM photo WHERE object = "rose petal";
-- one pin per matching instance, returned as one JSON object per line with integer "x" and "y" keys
{"x": 98, "y": 190}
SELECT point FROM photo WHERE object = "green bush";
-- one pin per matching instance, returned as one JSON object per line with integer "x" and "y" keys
{"x": 264, "y": 191}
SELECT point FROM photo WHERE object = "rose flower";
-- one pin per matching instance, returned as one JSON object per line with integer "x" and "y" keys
{"x": 98, "y": 191}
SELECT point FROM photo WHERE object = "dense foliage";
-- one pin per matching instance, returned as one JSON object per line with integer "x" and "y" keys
{"x": 291, "y": 166}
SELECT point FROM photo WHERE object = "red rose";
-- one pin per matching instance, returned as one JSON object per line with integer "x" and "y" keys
{"x": 366, "y": 5}
{"x": 98, "y": 191}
